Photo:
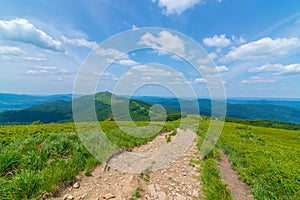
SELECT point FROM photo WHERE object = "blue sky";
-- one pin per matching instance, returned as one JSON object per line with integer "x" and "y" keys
{"x": 254, "y": 44}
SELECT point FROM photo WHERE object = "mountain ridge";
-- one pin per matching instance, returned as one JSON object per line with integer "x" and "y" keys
{"x": 60, "y": 111}
{"x": 256, "y": 111}
{"x": 10, "y": 101}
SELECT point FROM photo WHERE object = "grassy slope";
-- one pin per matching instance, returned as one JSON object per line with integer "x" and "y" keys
{"x": 34, "y": 159}
{"x": 36, "y": 165}
{"x": 265, "y": 158}
{"x": 213, "y": 186}
{"x": 265, "y": 123}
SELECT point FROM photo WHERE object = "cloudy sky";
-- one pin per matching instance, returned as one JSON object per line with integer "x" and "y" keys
{"x": 254, "y": 44}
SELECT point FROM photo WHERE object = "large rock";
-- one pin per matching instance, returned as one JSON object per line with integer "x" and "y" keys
{"x": 195, "y": 193}
{"x": 109, "y": 196}
{"x": 179, "y": 197}
{"x": 151, "y": 189}
{"x": 76, "y": 185}
{"x": 161, "y": 196}
{"x": 68, "y": 197}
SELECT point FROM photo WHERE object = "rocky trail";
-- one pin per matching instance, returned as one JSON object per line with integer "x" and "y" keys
{"x": 145, "y": 175}
{"x": 157, "y": 170}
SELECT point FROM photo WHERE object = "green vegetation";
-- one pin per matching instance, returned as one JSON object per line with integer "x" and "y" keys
{"x": 145, "y": 175}
{"x": 20, "y": 132}
{"x": 35, "y": 159}
{"x": 136, "y": 194}
{"x": 36, "y": 165}
{"x": 267, "y": 159}
{"x": 56, "y": 111}
{"x": 213, "y": 186}
{"x": 168, "y": 136}
{"x": 265, "y": 123}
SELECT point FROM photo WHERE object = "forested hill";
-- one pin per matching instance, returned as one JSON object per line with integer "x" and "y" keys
{"x": 61, "y": 111}
{"x": 245, "y": 110}
{"x": 20, "y": 101}
{"x": 264, "y": 112}
{"x": 57, "y": 111}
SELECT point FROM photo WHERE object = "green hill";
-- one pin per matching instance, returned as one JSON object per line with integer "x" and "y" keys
{"x": 61, "y": 111}
{"x": 57, "y": 111}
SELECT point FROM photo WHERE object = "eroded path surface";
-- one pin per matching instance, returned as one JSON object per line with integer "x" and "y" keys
{"x": 239, "y": 190}
{"x": 163, "y": 179}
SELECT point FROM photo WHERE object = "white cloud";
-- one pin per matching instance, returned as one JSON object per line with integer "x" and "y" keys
{"x": 127, "y": 62}
{"x": 263, "y": 49}
{"x": 153, "y": 71}
{"x": 278, "y": 68}
{"x": 148, "y": 78}
{"x": 7, "y": 50}
{"x": 79, "y": 42}
{"x": 208, "y": 59}
{"x": 200, "y": 80}
{"x": 213, "y": 80}
{"x": 219, "y": 41}
{"x": 21, "y": 30}
{"x": 158, "y": 78}
{"x": 212, "y": 56}
{"x": 110, "y": 53}
{"x": 150, "y": 73}
{"x": 208, "y": 69}
{"x": 165, "y": 41}
{"x": 47, "y": 70}
{"x": 116, "y": 56}
{"x": 15, "y": 53}
{"x": 257, "y": 79}
{"x": 144, "y": 74}
{"x": 176, "y": 6}
{"x": 222, "y": 68}
{"x": 134, "y": 27}
{"x": 238, "y": 40}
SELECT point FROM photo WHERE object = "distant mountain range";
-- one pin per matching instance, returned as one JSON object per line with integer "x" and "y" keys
{"x": 58, "y": 108}
{"x": 19, "y": 101}
{"x": 60, "y": 111}
{"x": 279, "y": 102}
{"x": 281, "y": 110}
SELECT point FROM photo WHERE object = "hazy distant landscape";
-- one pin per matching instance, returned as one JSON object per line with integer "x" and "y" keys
{"x": 20, "y": 101}
{"x": 58, "y": 108}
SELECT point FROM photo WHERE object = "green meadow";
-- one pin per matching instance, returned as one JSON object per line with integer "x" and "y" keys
{"x": 38, "y": 158}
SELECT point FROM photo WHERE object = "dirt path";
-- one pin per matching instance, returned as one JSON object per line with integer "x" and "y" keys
{"x": 169, "y": 178}
{"x": 239, "y": 190}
